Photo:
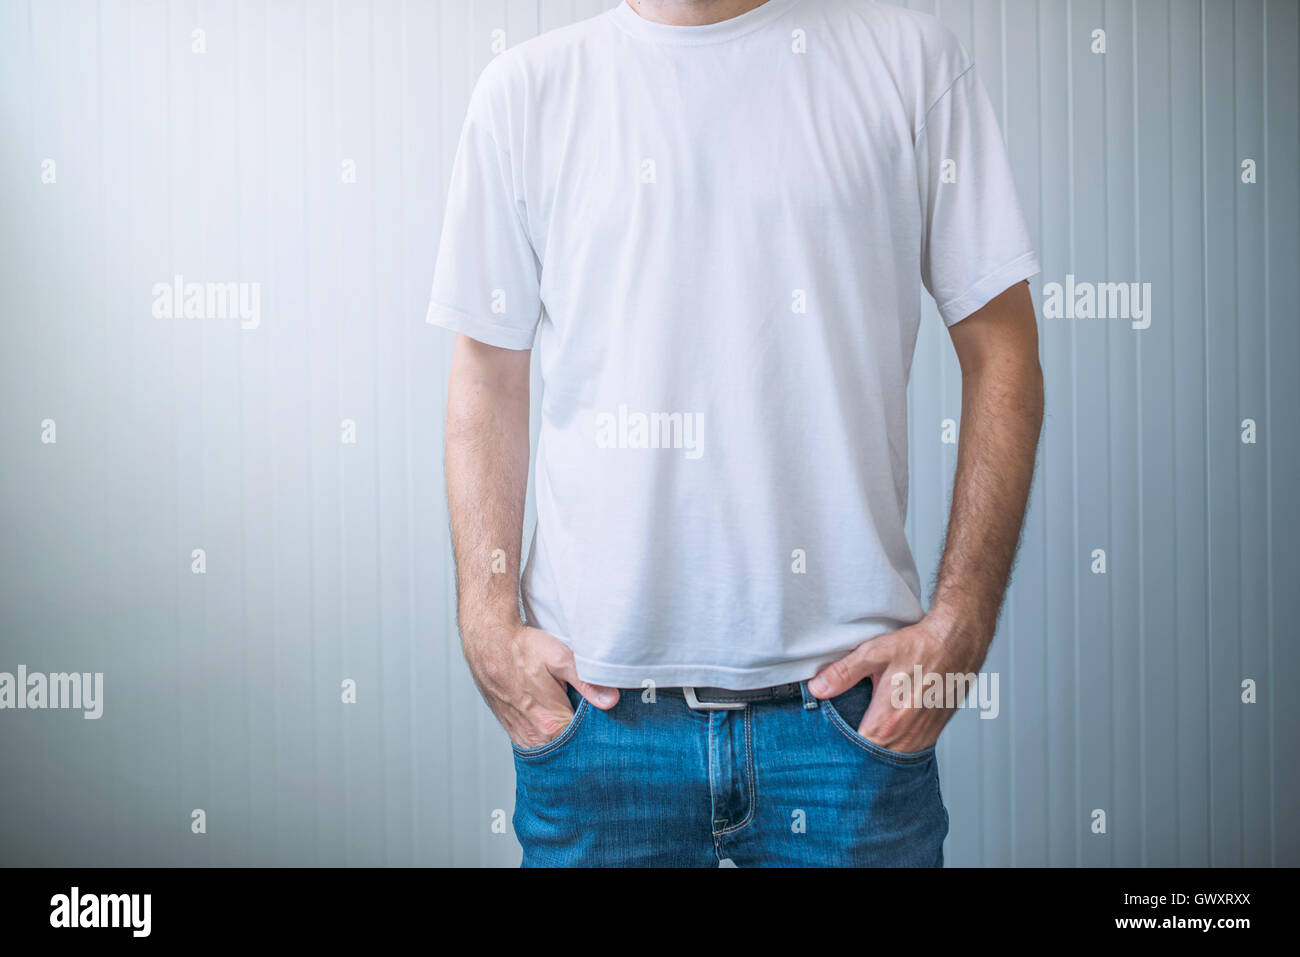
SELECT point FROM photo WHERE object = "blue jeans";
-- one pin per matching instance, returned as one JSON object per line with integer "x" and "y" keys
{"x": 775, "y": 784}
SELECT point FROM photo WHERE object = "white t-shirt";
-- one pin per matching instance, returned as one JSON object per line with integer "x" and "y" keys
{"x": 715, "y": 234}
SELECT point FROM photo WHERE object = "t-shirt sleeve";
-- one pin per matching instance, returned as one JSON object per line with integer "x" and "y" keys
{"x": 486, "y": 280}
{"x": 974, "y": 242}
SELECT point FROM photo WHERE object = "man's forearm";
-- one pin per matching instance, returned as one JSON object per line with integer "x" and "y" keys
{"x": 521, "y": 671}
{"x": 486, "y": 472}
{"x": 1002, "y": 413}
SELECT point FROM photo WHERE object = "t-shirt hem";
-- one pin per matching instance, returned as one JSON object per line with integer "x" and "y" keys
{"x": 981, "y": 292}
{"x": 482, "y": 330}
{"x": 701, "y": 676}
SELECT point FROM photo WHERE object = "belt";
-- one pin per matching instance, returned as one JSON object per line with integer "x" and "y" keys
{"x": 725, "y": 699}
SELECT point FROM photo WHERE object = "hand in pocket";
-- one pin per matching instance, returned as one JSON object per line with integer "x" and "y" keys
{"x": 521, "y": 672}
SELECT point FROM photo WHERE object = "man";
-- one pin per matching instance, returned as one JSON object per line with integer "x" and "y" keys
{"x": 711, "y": 216}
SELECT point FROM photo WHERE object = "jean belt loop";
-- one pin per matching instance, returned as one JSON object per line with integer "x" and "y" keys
{"x": 810, "y": 703}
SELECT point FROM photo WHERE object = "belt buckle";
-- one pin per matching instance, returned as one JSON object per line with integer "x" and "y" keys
{"x": 695, "y": 704}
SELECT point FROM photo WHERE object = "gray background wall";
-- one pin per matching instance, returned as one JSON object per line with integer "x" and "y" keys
{"x": 328, "y": 560}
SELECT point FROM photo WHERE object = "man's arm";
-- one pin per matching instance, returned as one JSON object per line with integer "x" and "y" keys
{"x": 520, "y": 670}
{"x": 1002, "y": 413}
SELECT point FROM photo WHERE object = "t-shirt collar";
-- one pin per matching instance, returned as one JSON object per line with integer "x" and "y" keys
{"x": 632, "y": 22}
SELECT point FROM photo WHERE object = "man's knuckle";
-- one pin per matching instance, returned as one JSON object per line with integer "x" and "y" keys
{"x": 842, "y": 670}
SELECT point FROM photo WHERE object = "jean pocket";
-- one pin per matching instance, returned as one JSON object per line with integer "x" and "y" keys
{"x": 564, "y": 737}
{"x": 854, "y": 703}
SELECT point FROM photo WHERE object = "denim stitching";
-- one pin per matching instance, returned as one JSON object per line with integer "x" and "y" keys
{"x": 749, "y": 766}
{"x": 889, "y": 757}
{"x": 713, "y": 800}
{"x": 580, "y": 716}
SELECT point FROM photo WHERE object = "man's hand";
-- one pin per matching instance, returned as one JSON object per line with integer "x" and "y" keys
{"x": 522, "y": 672}
{"x": 937, "y": 648}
